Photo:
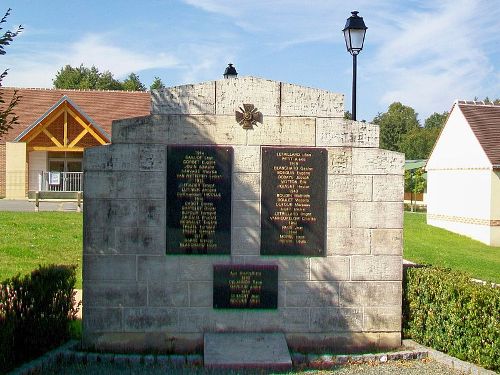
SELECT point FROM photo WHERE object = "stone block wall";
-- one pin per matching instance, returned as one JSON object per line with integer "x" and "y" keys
{"x": 138, "y": 298}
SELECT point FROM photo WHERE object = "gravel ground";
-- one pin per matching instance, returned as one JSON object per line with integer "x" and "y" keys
{"x": 414, "y": 367}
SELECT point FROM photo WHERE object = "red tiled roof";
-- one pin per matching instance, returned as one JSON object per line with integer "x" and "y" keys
{"x": 484, "y": 120}
{"x": 101, "y": 106}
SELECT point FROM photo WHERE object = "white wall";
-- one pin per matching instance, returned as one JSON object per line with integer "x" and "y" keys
{"x": 495, "y": 208}
{"x": 457, "y": 146}
{"x": 37, "y": 164}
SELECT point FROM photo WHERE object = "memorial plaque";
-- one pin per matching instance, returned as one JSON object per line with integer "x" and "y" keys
{"x": 199, "y": 199}
{"x": 245, "y": 286}
{"x": 293, "y": 209}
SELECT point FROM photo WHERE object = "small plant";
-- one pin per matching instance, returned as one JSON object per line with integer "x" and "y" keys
{"x": 443, "y": 309}
{"x": 35, "y": 312}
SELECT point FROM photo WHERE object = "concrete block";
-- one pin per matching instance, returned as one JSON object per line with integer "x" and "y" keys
{"x": 328, "y": 319}
{"x": 115, "y": 294}
{"x": 246, "y": 186}
{"x": 140, "y": 241}
{"x": 114, "y": 157}
{"x": 237, "y": 350}
{"x": 245, "y": 213}
{"x": 245, "y": 241}
{"x": 152, "y": 158}
{"x": 185, "y": 99}
{"x": 113, "y": 212}
{"x": 199, "y": 268}
{"x": 348, "y": 241}
{"x": 158, "y": 268}
{"x": 109, "y": 267}
{"x": 146, "y": 185}
{"x": 246, "y": 159}
{"x": 311, "y": 294}
{"x": 349, "y": 188}
{"x": 201, "y": 294}
{"x": 388, "y": 293}
{"x": 338, "y": 214}
{"x": 377, "y": 215}
{"x": 331, "y": 269}
{"x": 98, "y": 184}
{"x": 387, "y": 241}
{"x": 339, "y": 160}
{"x": 339, "y": 132}
{"x": 148, "y": 129}
{"x": 294, "y": 319}
{"x": 99, "y": 241}
{"x": 380, "y": 267}
{"x": 233, "y": 93}
{"x": 165, "y": 293}
{"x": 290, "y": 269}
{"x": 388, "y": 188}
{"x": 377, "y": 161}
{"x": 149, "y": 319}
{"x": 104, "y": 319}
{"x": 286, "y": 131}
{"x": 382, "y": 318}
{"x": 304, "y": 101}
{"x": 151, "y": 213}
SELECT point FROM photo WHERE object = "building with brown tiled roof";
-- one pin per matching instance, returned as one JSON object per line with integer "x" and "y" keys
{"x": 463, "y": 173}
{"x": 44, "y": 150}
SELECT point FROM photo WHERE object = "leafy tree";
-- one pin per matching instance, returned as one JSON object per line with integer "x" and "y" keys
{"x": 85, "y": 79}
{"x": 415, "y": 182}
{"x": 395, "y": 124}
{"x": 157, "y": 84}
{"x": 436, "y": 120}
{"x": 133, "y": 83}
{"x": 347, "y": 115}
{"x": 7, "y": 115}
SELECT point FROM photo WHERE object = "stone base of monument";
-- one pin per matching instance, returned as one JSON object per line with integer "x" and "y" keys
{"x": 246, "y": 350}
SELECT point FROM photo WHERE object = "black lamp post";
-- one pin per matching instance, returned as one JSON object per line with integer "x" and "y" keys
{"x": 230, "y": 72}
{"x": 354, "y": 34}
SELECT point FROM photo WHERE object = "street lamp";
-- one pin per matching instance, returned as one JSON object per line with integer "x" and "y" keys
{"x": 354, "y": 34}
{"x": 230, "y": 72}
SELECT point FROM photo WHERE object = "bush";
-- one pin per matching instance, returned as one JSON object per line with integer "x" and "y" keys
{"x": 443, "y": 309}
{"x": 35, "y": 312}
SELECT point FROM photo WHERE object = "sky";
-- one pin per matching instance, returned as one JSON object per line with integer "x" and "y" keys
{"x": 424, "y": 54}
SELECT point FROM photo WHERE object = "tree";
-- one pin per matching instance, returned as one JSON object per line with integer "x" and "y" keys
{"x": 436, "y": 120}
{"x": 395, "y": 124}
{"x": 133, "y": 83}
{"x": 157, "y": 84}
{"x": 85, "y": 79}
{"x": 347, "y": 115}
{"x": 7, "y": 115}
{"x": 415, "y": 182}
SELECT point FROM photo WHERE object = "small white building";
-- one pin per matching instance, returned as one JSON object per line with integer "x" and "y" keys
{"x": 463, "y": 173}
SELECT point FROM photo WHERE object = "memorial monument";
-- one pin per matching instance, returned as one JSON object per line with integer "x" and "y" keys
{"x": 242, "y": 205}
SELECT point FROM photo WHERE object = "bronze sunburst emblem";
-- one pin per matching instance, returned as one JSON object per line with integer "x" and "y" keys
{"x": 249, "y": 116}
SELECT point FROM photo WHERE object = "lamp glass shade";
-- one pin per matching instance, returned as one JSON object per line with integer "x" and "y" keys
{"x": 354, "y": 39}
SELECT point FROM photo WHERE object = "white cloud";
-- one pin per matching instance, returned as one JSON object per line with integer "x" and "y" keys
{"x": 435, "y": 55}
{"x": 38, "y": 67}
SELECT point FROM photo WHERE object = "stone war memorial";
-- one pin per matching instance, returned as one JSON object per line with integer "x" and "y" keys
{"x": 242, "y": 206}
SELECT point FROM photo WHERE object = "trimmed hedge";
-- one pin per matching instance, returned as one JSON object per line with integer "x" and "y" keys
{"x": 35, "y": 312}
{"x": 444, "y": 310}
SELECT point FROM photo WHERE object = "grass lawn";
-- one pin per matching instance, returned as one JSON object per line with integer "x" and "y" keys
{"x": 430, "y": 245}
{"x": 28, "y": 239}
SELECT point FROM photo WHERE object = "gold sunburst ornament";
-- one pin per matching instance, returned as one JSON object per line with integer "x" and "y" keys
{"x": 248, "y": 117}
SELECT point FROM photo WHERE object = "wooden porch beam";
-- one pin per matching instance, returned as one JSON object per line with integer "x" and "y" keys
{"x": 44, "y": 124}
{"x": 55, "y": 148}
{"x": 78, "y": 137}
{"x": 86, "y": 126}
{"x": 52, "y": 138}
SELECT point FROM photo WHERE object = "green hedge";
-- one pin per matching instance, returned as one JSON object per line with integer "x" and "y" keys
{"x": 35, "y": 312}
{"x": 444, "y": 310}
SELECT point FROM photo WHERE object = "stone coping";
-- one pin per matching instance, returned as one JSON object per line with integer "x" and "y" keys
{"x": 413, "y": 351}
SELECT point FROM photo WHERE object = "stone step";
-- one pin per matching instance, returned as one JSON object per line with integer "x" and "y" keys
{"x": 246, "y": 350}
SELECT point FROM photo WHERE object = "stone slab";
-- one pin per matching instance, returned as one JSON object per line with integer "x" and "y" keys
{"x": 246, "y": 350}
